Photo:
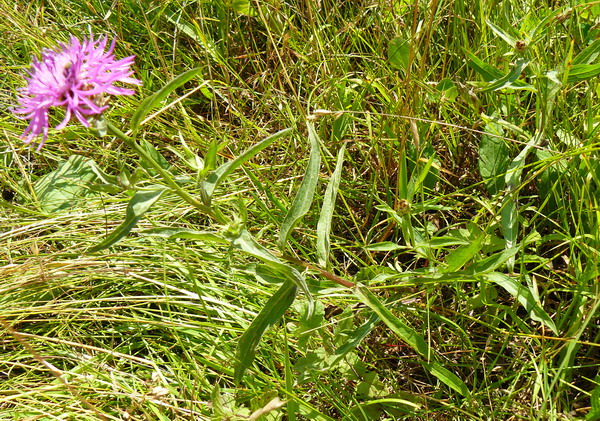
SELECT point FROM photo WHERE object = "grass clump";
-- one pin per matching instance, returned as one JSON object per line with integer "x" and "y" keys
{"x": 448, "y": 265}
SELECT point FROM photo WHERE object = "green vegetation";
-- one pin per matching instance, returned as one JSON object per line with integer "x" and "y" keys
{"x": 329, "y": 210}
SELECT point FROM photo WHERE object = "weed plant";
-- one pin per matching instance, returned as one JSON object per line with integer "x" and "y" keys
{"x": 442, "y": 159}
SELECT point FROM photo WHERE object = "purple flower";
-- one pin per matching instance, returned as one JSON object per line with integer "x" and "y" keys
{"x": 76, "y": 77}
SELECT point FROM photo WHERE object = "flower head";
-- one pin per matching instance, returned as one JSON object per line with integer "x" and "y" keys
{"x": 76, "y": 77}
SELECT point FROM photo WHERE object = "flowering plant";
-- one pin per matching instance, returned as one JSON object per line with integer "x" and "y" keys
{"x": 79, "y": 76}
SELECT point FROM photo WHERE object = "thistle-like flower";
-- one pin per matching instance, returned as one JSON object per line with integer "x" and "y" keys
{"x": 77, "y": 77}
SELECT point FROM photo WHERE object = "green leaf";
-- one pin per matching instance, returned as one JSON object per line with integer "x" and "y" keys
{"x": 581, "y": 72}
{"x": 155, "y": 99}
{"x": 355, "y": 337}
{"x": 214, "y": 179}
{"x": 460, "y": 256}
{"x": 324, "y": 224}
{"x": 412, "y": 338}
{"x": 488, "y": 72}
{"x": 447, "y": 377}
{"x": 494, "y": 261}
{"x": 271, "y": 313}
{"x": 245, "y": 242}
{"x": 306, "y": 191}
{"x": 524, "y": 296}
{"x": 589, "y": 54}
{"x": 502, "y": 33}
{"x": 71, "y": 181}
{"x": 384, "y": 246}
{"x": 186, "y": 234}
{"x": 594, "y": 414}
{"x": 399, "y": 53}
{"x": 139, "y": 204}
{"x": 242, "y": 7}
{"x": 493, "y": 158}
{"x": 405, "y": 332}
{"x": 507, "y": 80}
{"x": 156, "y": 156}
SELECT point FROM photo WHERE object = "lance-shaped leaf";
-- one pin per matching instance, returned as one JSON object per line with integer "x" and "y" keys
{"x": 305, "y": 194}
{"x": 138, "y": 205}
{"x": 155, "y": 99}
{"x": 271, "y": 313}
{"x": 507, "y": 80}
{"x": 524, "y": 296}
{"x": 215, "y": 178}
{"x": 245, "y": 242}
{"x": 324, "y": 224}
{"x": 413, "y": 339}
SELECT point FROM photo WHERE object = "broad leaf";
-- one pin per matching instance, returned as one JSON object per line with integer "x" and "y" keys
{"x": 399, "y": 53}
{"x": 271, "y": 313}
{"x": 139, "y": 204}
{"x": 493, "y": 158}
{"x": 70, "y": 182}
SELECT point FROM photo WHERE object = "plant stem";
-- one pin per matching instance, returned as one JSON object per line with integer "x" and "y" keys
{"x": 166, "y": 176}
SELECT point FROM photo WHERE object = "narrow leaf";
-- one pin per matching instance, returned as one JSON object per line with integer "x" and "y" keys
{"x": 155, "y": 99}
{"x": 581, "y": 72}
{"x": 502, "y": 33}
{"x": 412, "y": 338}
{"x": 524, "y": 296}
{"x": 271, "y": 313}
{"x": 384, "y": 246}
{"x": 488, "y": 72}
{"x": 215, "y": 178}
{"x": 507, "y": 80}
{"x": 245, "y": 242}
{"x": 493, "y": 262}
{"x": 405, "y": 332}
{"x": 448, "y": 378}
{"x": 324, "y": 224}
{"x": 186, "y": 234}
{"x": 460, "y": 256}
{"x": 589, "y": 54}
{"x": 305, "y": 194}
{"x": 137, "y": 207}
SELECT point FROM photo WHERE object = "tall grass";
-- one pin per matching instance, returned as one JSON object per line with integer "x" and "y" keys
{"x": 467, "y": 204}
